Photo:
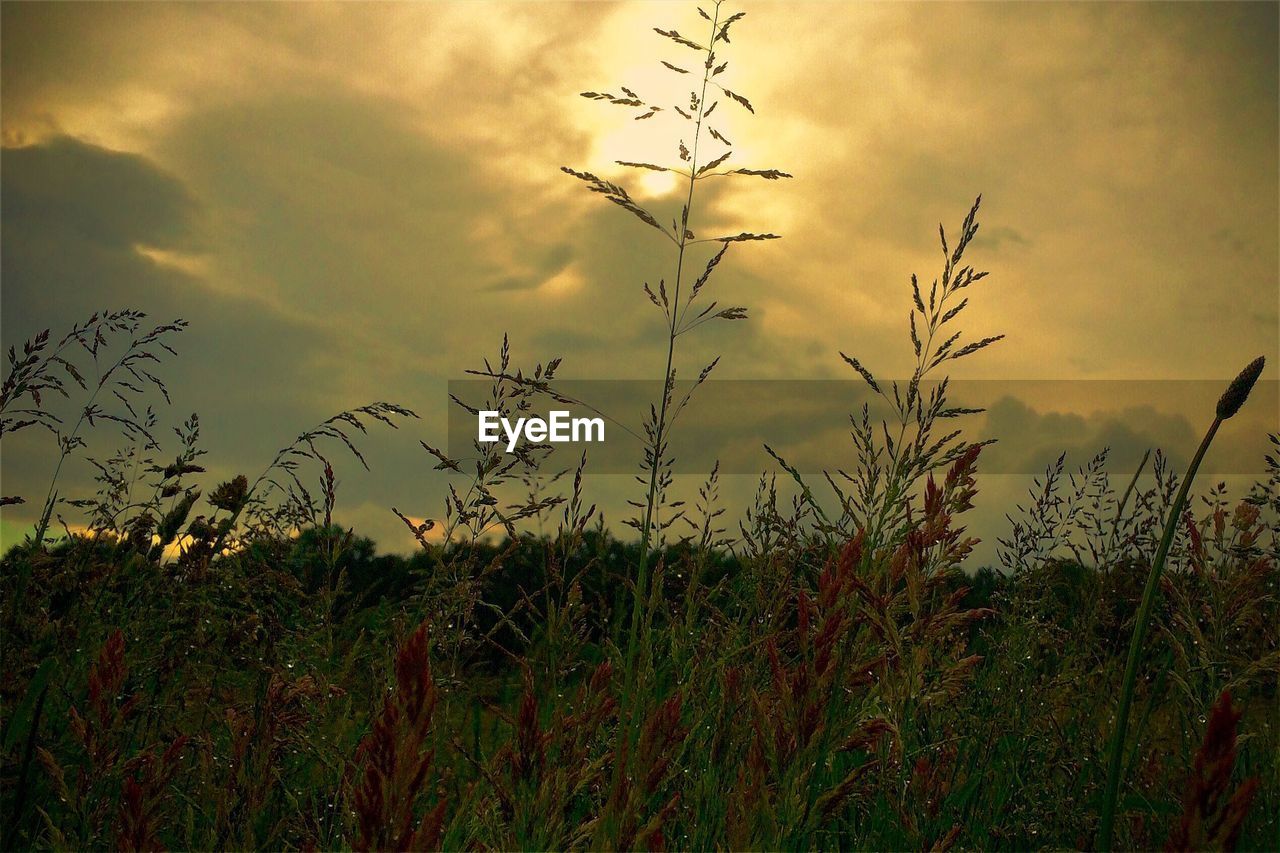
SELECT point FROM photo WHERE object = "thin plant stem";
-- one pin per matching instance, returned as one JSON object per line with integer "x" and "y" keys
{"x": 642, "y": 574}
{"x": 1230, "y": 402}
{"x": 1140, "y": 626}
{"x": 1124, "y": 499}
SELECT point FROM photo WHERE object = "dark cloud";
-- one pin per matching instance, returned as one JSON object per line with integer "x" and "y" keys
{"x": 114, "y": 199}
{"x": 78, "y": 220}
{"x": 1031, "y": 437}
{"x": 553, "y": 261}
{"x": 1001, "y": 236}
{"x": 1029, "y": 440}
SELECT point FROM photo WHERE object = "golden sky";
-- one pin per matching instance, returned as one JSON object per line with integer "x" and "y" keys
{"x": 354, "y": 201}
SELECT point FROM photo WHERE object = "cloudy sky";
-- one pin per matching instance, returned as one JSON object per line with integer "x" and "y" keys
{"x": 353, "y": 202}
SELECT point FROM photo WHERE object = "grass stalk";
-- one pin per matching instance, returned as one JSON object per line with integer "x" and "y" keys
{"x": 1230, "y": 403}
{"x": 660, "y": 432}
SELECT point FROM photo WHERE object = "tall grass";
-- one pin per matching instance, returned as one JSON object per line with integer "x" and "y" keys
{"x": 1232, "y": 400}
{"x": 679, "y": 307}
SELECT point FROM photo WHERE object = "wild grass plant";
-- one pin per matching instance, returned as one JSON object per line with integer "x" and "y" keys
{"x": 1232, "y": 399}
{"x": 223, "y": 665}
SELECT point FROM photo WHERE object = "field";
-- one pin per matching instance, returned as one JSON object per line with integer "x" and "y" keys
{"x": 308, "y": 693}
{"x": 193, "y": 664}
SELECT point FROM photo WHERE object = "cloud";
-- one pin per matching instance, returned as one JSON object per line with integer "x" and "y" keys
{"x": 545, "y": 268}
{"x": 82, "y": 225}
{"x": 1030, "y": 440}
{"x": 1032, "y": 435}
{"x": 119, "y": 199}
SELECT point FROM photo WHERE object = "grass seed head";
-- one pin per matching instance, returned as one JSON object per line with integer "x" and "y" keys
{"x": 1238, "y": 391}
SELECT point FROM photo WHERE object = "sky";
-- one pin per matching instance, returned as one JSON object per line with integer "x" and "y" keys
{"x": 354, "y": 202}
